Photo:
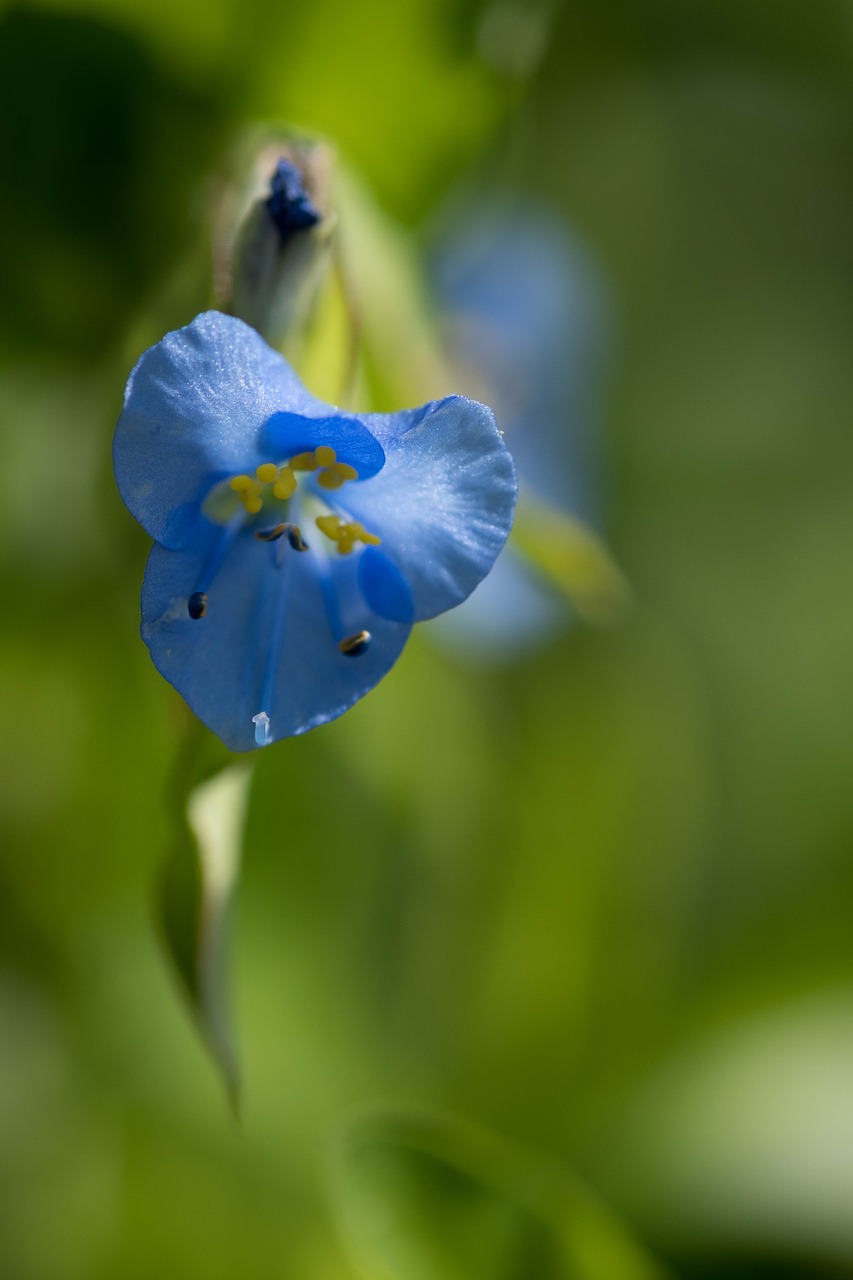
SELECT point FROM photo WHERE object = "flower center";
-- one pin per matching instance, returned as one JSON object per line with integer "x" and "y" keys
{"x": 330, "y": 474}
{"x": 282, "y": 480}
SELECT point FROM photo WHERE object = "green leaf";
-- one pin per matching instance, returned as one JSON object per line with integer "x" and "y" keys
{"x": 571, "y": 557}
{"x": 194, "y": 896}
{"x": 433, "y": 1197}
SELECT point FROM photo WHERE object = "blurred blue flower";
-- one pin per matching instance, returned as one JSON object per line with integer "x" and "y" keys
{"x": 525, "y": 316}
{"x": 295, "y": 544}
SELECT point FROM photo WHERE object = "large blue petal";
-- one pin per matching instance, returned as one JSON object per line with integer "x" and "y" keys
{"x": 219, "y": 663}
{"x": 194, "y": 411}
{"x": 444, "y": 501}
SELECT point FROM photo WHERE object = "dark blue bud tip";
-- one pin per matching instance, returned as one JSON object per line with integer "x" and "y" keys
{"x": 289, "y": 203}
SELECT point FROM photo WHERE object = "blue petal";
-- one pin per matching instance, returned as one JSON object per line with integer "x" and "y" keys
{"x": 444, "y": 501}
{"x": 286, "y": 434}
{"x": 194, "y": 411}
{"x": 219, "y": 663}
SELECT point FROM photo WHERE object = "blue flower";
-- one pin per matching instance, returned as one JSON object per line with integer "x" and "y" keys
{"x": 295, "y": 544}
{"x": 525, "y": 310}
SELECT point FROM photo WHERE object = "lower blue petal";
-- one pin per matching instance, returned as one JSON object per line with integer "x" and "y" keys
{"x": 219, "y": 663}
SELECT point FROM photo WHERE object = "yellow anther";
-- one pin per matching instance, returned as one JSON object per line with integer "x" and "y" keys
{"x": 325, "y": 455}
{"x": 345, "y": 533}
{"x": 266, "y": 472}
{"x": 303, "y": 462}
{"x": 285, "y": 484}
{"x": 336, "y": 475}
{"x": 330, "y": 525}
{"x": 249, "y": 492}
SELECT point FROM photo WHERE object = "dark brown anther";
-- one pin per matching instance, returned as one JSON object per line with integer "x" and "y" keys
{"x": 355, "y": 646}
{"x": 294, "y": 537}
{"x": 272, "y": 535}
{"x": 197, "y": 605}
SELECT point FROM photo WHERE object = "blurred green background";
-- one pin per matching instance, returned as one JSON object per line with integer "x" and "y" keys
{"x": 595, "y": 905}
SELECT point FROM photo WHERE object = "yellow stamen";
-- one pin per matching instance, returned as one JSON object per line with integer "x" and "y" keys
{"x": 336, "y": 475}
{"x": 345, "y": 534}
{"x": 285, "y": 485}
{"x": 331, "y": 475}
{"x": 330, "y": 525}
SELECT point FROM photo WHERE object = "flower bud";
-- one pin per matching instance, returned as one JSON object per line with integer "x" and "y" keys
{"x": 275, "y": 245}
